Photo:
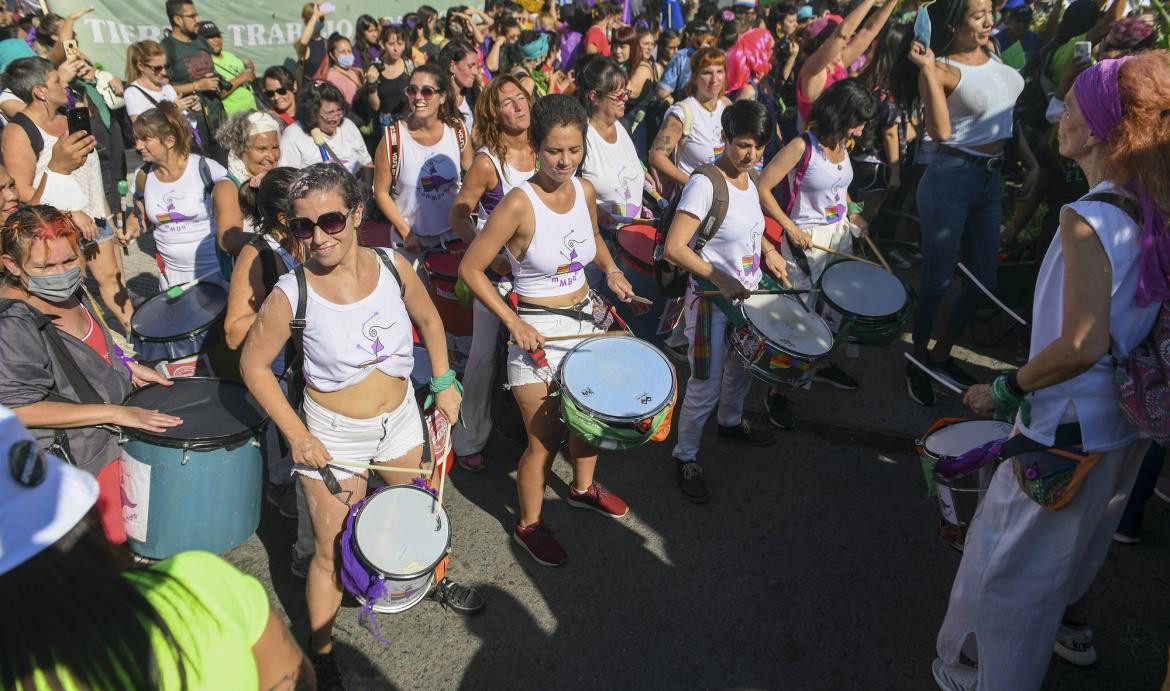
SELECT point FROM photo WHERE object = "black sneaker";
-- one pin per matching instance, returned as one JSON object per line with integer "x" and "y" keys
{"x": 328, "y": 676}
{"x": 460, "y": 599}
{"x": 919, "y": 385}
{"x": 283, "y": 497}
{"x": 952, "y": 370}
{"x": 744, "y": 432}
{"x": 690, "y": 481}
{"x": 835, "y": 376}
{"x": 779, "y": 410}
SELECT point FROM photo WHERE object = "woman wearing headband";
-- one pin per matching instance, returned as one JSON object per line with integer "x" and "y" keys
{"x": 252, "y": 140}
{"x": 527, "y": 55}
{"x": 1026, "y": 568}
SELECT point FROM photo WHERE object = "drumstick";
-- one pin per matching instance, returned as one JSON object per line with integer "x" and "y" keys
{"x": 175, "y": 291}
{"x": 933, "y": 375}
{"x": 877, "y": 253}
{"x": 779, "y": 291}
{"x": 971, "y": 277}
{"x": 581, "y": 337}
{"x": 641, "y": 300}
{"x": 439, "y": 497}
{"x": 371, "y": 466}
{"x": 839, "y": 253}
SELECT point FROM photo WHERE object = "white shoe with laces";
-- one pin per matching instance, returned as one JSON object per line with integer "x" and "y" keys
{"x": 1075, "y": 645}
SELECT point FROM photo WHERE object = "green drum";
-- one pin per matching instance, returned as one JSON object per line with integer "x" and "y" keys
{"x": 874, "y": 304}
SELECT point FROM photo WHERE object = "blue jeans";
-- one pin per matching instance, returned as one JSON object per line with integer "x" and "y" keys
{"x": 959, "y": 209}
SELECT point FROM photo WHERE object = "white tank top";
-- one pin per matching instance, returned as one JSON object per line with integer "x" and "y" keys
{"x": 824, "y": 190}
{"x": 428, "y": 181}
{"x": 345, "y": 343}
{"x": 615, "y": 171}
{"x": 981, "y": 105}
{"x": 508, "y": 177}
{"x": 561, "y": 247}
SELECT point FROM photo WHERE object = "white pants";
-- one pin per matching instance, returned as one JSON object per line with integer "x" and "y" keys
{"x": 477, "y": 383}
{"x": 838, "y": 236}
{"x": 728, "y": 390}
{"x": 1024, "y": 565}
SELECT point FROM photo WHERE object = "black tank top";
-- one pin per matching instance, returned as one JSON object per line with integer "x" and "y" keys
{"x": 392, "y": 95}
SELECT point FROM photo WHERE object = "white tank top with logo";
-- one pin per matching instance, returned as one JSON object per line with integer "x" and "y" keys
{"x": 615, "y": 171}
{"x": 561, "y": 247}
{"x": 428, "y": 182}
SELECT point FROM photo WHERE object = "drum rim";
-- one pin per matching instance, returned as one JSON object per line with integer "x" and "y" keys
{"x": 202, "y": 444}
{"x": 611, "y": 418}
{"x": 824, "y": 295}
{"x": 940, "y": 457}
{"x": 761, "y": 373}
{"x": 219, "y": 317}
{"x": 357, "y": 550}
{"x": 790, "y": 351}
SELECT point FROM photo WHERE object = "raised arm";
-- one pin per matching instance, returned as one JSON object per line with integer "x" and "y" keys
{"x": 867, "y": 33}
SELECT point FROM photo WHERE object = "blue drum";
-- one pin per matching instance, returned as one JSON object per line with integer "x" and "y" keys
{"x": 198, "y": 485}
{"x": 171, "y": 328}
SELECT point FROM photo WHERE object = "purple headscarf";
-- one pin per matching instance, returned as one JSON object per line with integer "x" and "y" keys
{"x": 1099, "y": 100}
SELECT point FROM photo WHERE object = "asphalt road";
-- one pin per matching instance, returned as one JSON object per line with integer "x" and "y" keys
{"x": 816, "y": 565}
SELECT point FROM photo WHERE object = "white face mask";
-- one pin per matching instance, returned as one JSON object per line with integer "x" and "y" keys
{"x": 345, "y": 60}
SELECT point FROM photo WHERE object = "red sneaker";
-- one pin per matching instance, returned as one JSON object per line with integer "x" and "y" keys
{"x": 599, "y": 499}
{"x": 540, "y": 543}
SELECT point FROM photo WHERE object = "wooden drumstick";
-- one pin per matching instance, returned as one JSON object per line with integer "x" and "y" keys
{"x": 373, "y": 466}
{"x": 876, "y": 252}
{"x": 581, "y": 337}
{"x": 641, "y": 300}
{"x": 839, "y": 253}
{"x": 785, "y": 291}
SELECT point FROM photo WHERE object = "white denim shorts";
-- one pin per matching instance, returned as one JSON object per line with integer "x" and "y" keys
{"x": 388, "y": 437}
{"x": 522, "y": 369}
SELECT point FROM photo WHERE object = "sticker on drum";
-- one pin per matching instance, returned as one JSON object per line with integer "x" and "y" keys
{"x": 862, "y": 290}
{"x": 784, "y": 322}
{"x": 396, "y": 535}
{"x": 954, "y": 440}
{"x": 946, "y": 504}
{"x": 618, "y": 377}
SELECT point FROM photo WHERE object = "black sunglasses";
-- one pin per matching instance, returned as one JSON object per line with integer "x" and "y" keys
{"x": 332, "y": 223}
{"x": 158, "y": 69}
{"x": 275, "y": 92}
{"x": 426, "y": 91}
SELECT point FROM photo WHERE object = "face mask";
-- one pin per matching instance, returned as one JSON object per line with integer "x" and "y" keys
{"x": 345, "y": 60}
{"x": 55, "y": 287}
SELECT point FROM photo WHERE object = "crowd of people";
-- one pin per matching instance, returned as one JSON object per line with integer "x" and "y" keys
{"x": 764, "y": 142}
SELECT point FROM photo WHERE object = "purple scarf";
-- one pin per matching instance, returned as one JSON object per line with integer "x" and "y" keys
{"x": 1099, "y": 100}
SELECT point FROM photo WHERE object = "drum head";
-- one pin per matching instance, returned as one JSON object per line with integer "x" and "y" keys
{"x": 215, "y": 412}
{"x": 618, "y": 377}
{"x": 955, "y": 440}
{"x": 863, "y": 290}
{"x": 167, "y": 319}
{"x": 394, "y": 532}
{"x": 783, "y": 321}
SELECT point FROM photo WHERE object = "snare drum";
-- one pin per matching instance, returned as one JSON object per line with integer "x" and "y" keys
{"x": 400, "y": 542}
{"x": 634, "y": 255}
{"x": 198, "y": 485}
{"x": 782, "y": 342}
{"x": 170, "y": 329}
{"x": 958, "y": 498}
{"x": 616, "y": 392}
{"x": 872, "y": 301}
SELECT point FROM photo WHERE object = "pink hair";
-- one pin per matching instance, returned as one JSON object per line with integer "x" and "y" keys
{"x": 750, "y": 58}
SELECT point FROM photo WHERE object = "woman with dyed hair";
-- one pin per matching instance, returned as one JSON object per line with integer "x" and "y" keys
{"x": 1019, "y": 591}
{"x": 692, "y": 133}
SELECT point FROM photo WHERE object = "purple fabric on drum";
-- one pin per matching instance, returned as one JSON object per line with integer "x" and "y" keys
{"x": 970, "y": 461}
{"x": 357, "y": 579}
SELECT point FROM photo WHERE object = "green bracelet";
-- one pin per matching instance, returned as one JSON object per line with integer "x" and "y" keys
{"x": 856, "y": 207}
{"x": 443, "y": 381}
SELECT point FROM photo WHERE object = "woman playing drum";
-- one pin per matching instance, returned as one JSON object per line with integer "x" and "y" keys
{"x": 1025, "y": 567}
{"x": 358, "y": 403}
{"x": 730, "y": 261}
{"x": 505, "y": 160}
{"x": 547, "y": 228}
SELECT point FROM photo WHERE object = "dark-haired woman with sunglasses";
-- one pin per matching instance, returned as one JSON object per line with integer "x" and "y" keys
{"x": 148, "y": 80}
{"x": 358, "y": 356}
{"x": 280, "y": 93}
{"x": 432, "y": 148}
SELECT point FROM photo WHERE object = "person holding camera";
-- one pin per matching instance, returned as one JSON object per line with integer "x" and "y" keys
{"x": 193, "y": 72}
{"x": 235, "y": 75}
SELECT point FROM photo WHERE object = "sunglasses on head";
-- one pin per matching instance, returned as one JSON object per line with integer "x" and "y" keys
{"x": 332, "y": 223}
{"x": 426, "y": 91}
{"x": 276, "y": 92}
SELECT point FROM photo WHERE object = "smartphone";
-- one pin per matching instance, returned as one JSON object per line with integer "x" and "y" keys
{"x": 1083, "y": 51}
{"x": 72, "y": 52}
{"x": 326, "y": 7}
{"x": 78, "y": 119}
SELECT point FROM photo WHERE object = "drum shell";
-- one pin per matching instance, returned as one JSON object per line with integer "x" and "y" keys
{"x": 204, "y": 500}
{"x": 638, "y": 266}
{"x": 867, "y": 330}
{"x": 457, "y": 319}
{"x": 958, "y": 498}
{"x": 152, "y": 351}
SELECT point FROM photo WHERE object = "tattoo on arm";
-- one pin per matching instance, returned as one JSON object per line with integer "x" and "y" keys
{"x": 664, "y": 143}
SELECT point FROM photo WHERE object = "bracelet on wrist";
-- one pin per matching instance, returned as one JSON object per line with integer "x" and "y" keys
{"x": 443, "y": 381}
{"x": 856, "y": 207}
{"x": 615, "y": 271}
{"x": 1012, "y": 380}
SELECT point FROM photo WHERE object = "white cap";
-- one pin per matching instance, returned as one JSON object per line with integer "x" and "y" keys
{"x": 41, "y": 497}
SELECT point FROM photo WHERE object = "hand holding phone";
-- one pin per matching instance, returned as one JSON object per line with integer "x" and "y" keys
{"x": 1083, "y": 50}
{"x": 326, "y": 7}
{"x": 78, "y": 120}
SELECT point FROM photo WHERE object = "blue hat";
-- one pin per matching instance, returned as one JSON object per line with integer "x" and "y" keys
{"x": 805, "y": 12}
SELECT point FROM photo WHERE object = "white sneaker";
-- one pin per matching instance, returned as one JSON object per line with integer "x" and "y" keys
{"x": 954, "y": 677}
{"x": 1075, "y": 645}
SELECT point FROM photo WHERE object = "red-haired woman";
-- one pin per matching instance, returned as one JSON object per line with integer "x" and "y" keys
{"x": 49, "y": 336}
{"x": 1025, "y": 569}
{"x": 691, "y": 134}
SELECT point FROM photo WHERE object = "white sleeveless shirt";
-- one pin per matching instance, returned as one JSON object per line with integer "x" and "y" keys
{"x": 428, "y": 181}
{"x": 344, "y": 344}
{"x": 1091, "y": 397}
{"x": 561, "y": 247}
{"x": 615, "y": 171}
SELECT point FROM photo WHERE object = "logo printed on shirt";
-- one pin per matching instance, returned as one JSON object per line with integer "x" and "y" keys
{"x": 436, "y": 176}
{"x": 168, "y": 214}
{"x": 371, "y": 334}
{"x": 573, "y": 266}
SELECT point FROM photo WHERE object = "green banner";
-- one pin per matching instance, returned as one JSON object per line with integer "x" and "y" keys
{"x": 263, "y": 32}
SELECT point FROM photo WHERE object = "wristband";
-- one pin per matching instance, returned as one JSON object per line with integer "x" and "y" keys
{"x": 1009, "y": 402}
{"x": 1012, "y": 380}
{"x": 856, "y": 207}
{"x": 611, "y": 273}
{"x": 443, "y": 381}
